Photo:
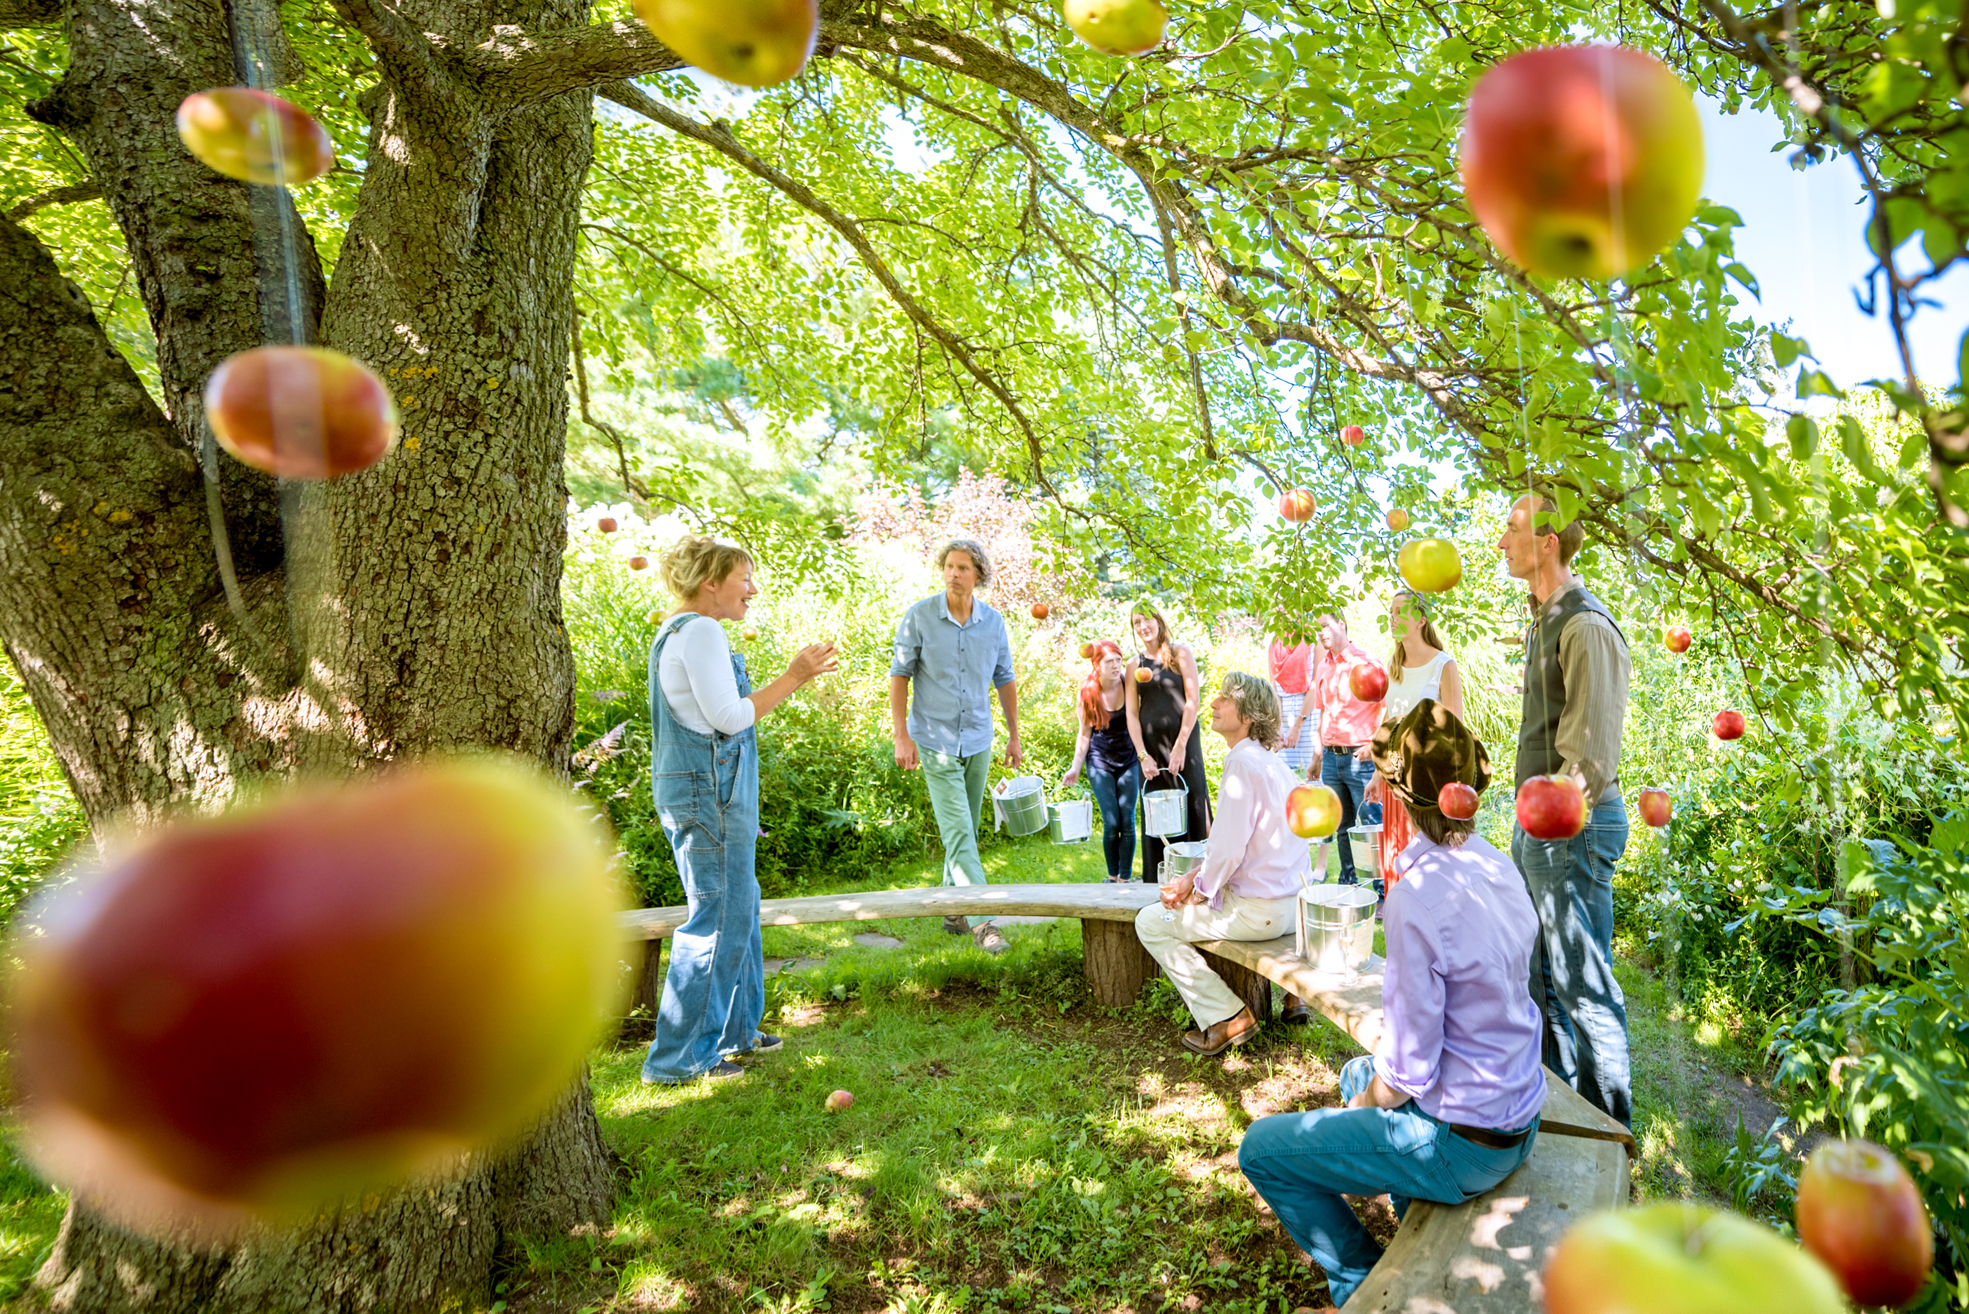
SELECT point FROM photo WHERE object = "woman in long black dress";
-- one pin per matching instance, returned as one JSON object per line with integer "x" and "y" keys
{"x": 1162, "y": 706}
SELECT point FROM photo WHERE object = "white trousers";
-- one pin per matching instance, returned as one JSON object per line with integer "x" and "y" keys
{"x": 1210, "y": 1000}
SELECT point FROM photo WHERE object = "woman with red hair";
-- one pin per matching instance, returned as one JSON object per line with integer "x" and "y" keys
{"x": 1104, "y": 747}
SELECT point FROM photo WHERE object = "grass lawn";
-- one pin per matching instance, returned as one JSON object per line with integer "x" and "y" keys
{"x": 1013, "y": 1145}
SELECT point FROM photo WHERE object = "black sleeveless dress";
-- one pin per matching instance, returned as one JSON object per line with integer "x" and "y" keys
{"x": 1161, "y": 709}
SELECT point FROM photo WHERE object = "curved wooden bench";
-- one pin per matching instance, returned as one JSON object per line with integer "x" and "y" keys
{"x": 1480, "y": 1257}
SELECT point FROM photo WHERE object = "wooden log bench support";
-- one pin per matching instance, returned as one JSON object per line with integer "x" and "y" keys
{"x": 1480, "y": 1257}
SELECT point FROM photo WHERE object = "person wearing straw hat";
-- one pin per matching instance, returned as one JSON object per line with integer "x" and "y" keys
{"x": 1252, "y": 869}
{"x": 1577, "y": 671}
{"x": 953, "y": 649}
{"x": 1447, "y": 1105}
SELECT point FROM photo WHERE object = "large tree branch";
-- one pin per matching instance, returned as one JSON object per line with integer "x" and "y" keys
{"x": 29, "y": 13}
{"x": 69, "y": 195}
{"x": 517, "y": 68}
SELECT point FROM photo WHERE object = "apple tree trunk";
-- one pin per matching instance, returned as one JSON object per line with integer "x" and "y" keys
{"x": 408, "y": 609}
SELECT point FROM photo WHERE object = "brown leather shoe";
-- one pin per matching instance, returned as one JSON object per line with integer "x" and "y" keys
{"x": 1295, "y": 1013}
{"x": 1231, "y": 1031}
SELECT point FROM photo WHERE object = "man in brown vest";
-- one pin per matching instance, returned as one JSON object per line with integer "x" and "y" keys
{"x": 1575, "y": 703}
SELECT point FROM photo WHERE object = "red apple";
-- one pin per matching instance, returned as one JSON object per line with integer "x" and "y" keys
{"x": 1582, "y": 161}
{"x": 1398, "y": 520}
{"x": 254, "y": 136}
{"x": 249, "y": 1018}
{"x": 1312, "y": 811}
{"x": 606, "y": 524}
{"x": 1368, "y": 681}
{"x": 1088, "y": 650}
{"x": 1353, "y": 435}
{"x": 1728, "y": 725}
{"x": 1296, "y": 506}
{"x": 1683, "y": 1259}
{"x": 1678, "y": 638}
{"x": 1551, "y": 807}
{"x": 1117, "y": 27}
{"x": 1656, "y": 807}
{"x": 755, "y": 43}
{"x": 1430, "y": 565}
{"x": 1040, "y": 611}
{"x": 1142, "y": 675}
{"x": 1457, "y": 801}
{"x": 639, "y": 563}
{"x": 840, "y": 1102}
{"x": 1860, "y": 1212}
{"x": 300, "y": 412}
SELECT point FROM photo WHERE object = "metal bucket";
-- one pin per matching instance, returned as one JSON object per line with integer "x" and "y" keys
{"x": 1071, "y": 821}
{"x": 1336, "y": 926}
{"x": 1020, "y": 805}
{"x": 1182, "y": 857}
{"x": 1366, "y": 842}
{"x": 1166, "y": 812}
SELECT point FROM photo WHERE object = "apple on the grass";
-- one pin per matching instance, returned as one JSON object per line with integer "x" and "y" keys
{"x": 1728, "y": 724}
{"x": 1581, "y": 161}
{"x": 1678, "y": 638}
{"x": 1117, "y": 27}
{"x": 1353, "y": 435}
{"x": 840, "y": 1102}
{"x": 1398, "y": 520}
{"x": 1656, "y": 807}
{"x": 248, "y": 1019}
{"x": 1430, "y": 565}
{"x": 1368, "y": 681}
{"x": 254, "y": 136}
{"x": 1296, "y": 506}
{"x": 1312, "y": 811}
{"x": 300, "y": 412}
{"x": 1683, "y": 1259}
{"x": 755, "y": 43}
{"x": 1457, "y": 801}
{"x": 1551, "y": 807}
{"x": 1860, "y": 1213}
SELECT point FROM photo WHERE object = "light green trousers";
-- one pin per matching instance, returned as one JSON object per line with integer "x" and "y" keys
{"x": 957, "y": 790}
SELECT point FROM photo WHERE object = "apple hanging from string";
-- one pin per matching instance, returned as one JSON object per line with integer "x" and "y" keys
{"x": 1398, "y": 520}
{"x": 1680, "y": 1258}
{"x": 1551, "y": 807}
{"x": 1862, "y": 1215}
{"x": 300, "y": 412}
{"x": 1728, "y": 724}
{"x": 1296, "y": 506}
{"x": 606, "y": 524}
{"x": 1312, "y": 811}
{"x": 1368, "y": 681}
{"x": 1117, "y": 27}
{"x": 1678, "y": 638}
{"x": 1142, "y": 675}
{"x": 755, "y": 43}
{"x": 1581, "y": 161}
{"x": 254, "y": 136}
{"x": 1430, "y": 565}
{"x": 1040, "y": 611}
{"x": 1656, "y": 807}
{"x": 1457, "y": 801}
{"x": 1353, "y": 435}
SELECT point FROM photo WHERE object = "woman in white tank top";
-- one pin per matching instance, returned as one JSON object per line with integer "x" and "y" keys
{"x": 1417, "y": 669}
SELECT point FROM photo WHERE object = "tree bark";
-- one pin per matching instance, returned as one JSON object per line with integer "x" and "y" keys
{"x": 1117, "y": 966}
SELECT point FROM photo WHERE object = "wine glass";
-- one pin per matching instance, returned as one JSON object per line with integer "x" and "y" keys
{"x": 1165, "y": 877}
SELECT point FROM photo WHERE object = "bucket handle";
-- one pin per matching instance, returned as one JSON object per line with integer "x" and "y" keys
{"x": 1181, "y": 784}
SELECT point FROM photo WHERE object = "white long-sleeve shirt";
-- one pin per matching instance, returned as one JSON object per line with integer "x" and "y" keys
{"x": 696, "y": 677}
{"x": 1252, "y": 852}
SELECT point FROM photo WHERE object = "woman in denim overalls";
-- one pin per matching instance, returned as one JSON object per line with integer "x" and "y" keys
{"x": 706, "y": 784}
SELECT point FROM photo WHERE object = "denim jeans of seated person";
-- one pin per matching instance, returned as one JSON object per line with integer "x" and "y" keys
{"x": 1304, "y": 1164}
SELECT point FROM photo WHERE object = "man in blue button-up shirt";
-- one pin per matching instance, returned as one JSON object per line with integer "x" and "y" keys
{"x": 955, "y": 648}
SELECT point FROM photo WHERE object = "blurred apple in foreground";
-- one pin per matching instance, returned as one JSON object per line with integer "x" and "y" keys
{"x": 1457, "y": 801}
{"x": 1582, "y": 161}
{"x": 1683, "y": 1259}
{"x": 1143, "y": 675}
{"x": 755, "y": 43}
{"x": 840, "y": 1102}
{"x": 300, "y": 412}
{"x": 1353, "y": 435}
{"x": 1296, "y": 506}
{"x": 254, "y": 136}
{"x": 1117, "y": 27}
{"x": 251, "y": 1018}
{"x": 1368, "y": 682}
{"x": 1728, "y": 725}
{"x": 1860, "y": 1212}
{"x": 1429, "y": 565}
{"x": 639, "y": 563}
{"x": 1551, "y": 807}
{"x": 1656, "y": 808}
{"x": 1678, "y": 638}
{"x": 1088, "y": 650}
{"x": 1312, "y": 811}
{"x": 1398, "y": 520}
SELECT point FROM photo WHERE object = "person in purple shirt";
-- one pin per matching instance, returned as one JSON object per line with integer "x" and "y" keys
{"x": 1447, "y": 1106}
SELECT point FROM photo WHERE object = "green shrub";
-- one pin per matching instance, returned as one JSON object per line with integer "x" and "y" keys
{"x": 39, "y": 817}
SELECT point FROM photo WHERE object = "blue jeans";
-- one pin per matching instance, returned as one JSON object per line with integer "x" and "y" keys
{"x": 1349, "y": 778}
{"x": 1572, "y": 980}
{"x": 1303, "y": 1163}
{"x": 1116, "y": 794}
{"x": 707, "y": 797}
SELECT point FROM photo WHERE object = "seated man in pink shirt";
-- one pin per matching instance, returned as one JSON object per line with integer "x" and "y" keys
{"x": 1448, "y": 1105}
{"x": 1251, "y": 872}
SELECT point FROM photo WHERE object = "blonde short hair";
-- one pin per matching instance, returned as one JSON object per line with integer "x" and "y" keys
{"x": 1257, "y": 706}
{"x": 698, "y": 560}
{"x": 973, "y": 549}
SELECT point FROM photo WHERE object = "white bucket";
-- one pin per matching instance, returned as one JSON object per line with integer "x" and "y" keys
{"x": 1072, "y": 821}
{"x": 1166, "y": 812}
{"x": 1020, "y": 805}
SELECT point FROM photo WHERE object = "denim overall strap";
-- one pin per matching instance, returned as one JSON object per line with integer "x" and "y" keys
{"x": 706, "y": 789}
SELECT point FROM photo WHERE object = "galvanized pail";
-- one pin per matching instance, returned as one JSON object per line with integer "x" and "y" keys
{"x": 1020, "y": 805}
{"x": 1071, "y": 821}
{"x": 1336, "y": 926}
{"x": 1182, "y": 857}
{"x": 1366, "y": 842}
{"x": 1166, "y": 811}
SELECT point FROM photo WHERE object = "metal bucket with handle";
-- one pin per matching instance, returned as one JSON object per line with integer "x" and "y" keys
{"x": 1071, "y": 820}
{"x": 1335, "y": 926}
{"x": 1021, "y": 805}
{"x": 1166, "y": 812}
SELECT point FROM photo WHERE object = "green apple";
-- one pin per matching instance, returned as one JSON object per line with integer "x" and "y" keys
{"x": 755, "y": 43}
{"x": 1684, "y": 1259}
{"x": 1117, "y": 27}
